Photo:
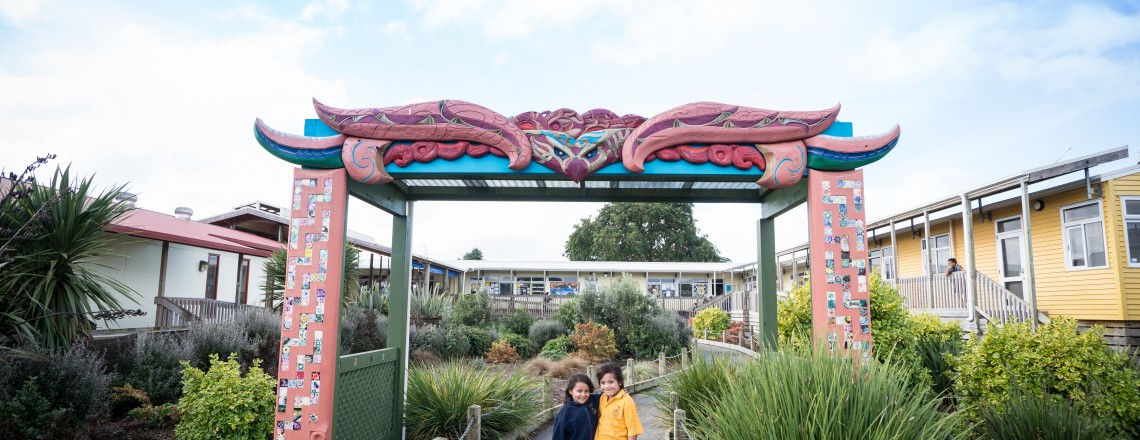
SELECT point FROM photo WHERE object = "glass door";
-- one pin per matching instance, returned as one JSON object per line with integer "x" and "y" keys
{"x": 1010, "y": 261}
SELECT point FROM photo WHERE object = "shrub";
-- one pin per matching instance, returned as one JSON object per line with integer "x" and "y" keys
{"x": 557, "y": 348}
{"x": 438, "y": 398}
{"x": 501, "y": 352}
{"x": 619, "y": 305}
{"x": 28, "y": 414}
{"x": 473, "y": 310}
{"x": 161, "y": 416}
{"x": 1024, "y": 416}
{"x": 595, "y": 342}
{"x": 664, "y": 331}
{"x": 521, "y": 343}
{"x": 544, "y": 330}
{"x": 156, "y": 366}
{"x": 1057, "y": 359}
{"x": 74, "y": 380}
{"x": 937, "y": 342}
{"x": 478, "y": 339}
{"x": 711, "y": 320}
{"x": 223, "y": 404}
{"x": 444, "y": 342}
{"x": 218, "y": 338}
{"x": 126, "y": 398}
{"x": 519, "y": 322}
{"x": 362, "y": 330}
{"x": 559, "y": 369}
{"x": 812, "y": 394}
{"x": 262, "y": 328}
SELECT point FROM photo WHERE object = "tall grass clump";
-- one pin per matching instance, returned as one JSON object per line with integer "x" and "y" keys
{"x": 811, "y": 394}
{"x": 438, "y": 398}
{"x": 699, "y": 387}
{"x": 1041, "y": 417}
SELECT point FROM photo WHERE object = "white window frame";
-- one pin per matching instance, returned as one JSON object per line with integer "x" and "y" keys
{"x": 1125, "y": 218}
{"x": 926, "y": 256}
{"x": 1065, "y": 235}
{"x": 884, "y": 262}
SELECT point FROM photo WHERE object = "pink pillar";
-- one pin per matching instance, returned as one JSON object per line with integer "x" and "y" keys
{"x": 839, "y": 272}
{"x": 306, "y": 372}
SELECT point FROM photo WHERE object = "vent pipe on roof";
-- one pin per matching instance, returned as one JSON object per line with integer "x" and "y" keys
{"x": 128, "y": 199}
{"x": 183, "y": 212}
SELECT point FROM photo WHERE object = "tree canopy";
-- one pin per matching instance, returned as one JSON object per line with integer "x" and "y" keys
{"x": 473, "y": 254}
{"x": 641, "y": 232}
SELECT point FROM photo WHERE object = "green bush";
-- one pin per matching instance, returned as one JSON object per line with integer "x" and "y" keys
{"x": 619, "y": 305}
{"x": 444, "y": 342}
{"x": 522, "y": 344}
{"x": 28, "y": 414}
{"x": 664, "y": 332}
{"x": 1057, "y": 359}
{"x": 1025, "y": 416}
{"x": 698, "y": 387}
{"x": 362, "y": 330}
{"x": 74, "y": 380}
{"x": 937, "y": 342}
{"x": 557, "y": 348}
{"x": 219, "y": 338}
{"x": 438, "y": 398}
{"x": 544, "y": 330}
{"x": 812, "y": 394}
{"x": 519, "y": 322}
{"x": 472, "y": 310}
{"x": 478, "y": 339}
{"x": 711, "y": 322}
{"x": 223, "y": 404}
{"x": 156, "y": 366}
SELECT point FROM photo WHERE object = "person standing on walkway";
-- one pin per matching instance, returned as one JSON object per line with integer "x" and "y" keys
{"x": 578, "y": 418}
{"x": 952, "y": 266}
{"x": 618, "y": 412}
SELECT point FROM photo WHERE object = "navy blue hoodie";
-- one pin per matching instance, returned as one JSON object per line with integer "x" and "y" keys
{"x": 577, "y": 421}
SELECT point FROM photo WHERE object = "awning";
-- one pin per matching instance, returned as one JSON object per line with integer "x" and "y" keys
{"x": 437, "y": 270}
{"x": 417, "y": 265}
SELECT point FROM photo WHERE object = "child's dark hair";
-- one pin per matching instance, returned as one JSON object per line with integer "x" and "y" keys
{"x": 614, "y": 369}
{"x": 574, "y": 380}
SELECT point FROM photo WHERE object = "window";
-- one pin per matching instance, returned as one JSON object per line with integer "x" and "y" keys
{"x": 212, "y": 276}
{"x": 883, "y": 261}
{"x": 1131, "y": 210}
{"x": 939, "y": 253}
{"x": 1083, "y": 227}
{"x": 243, "y": 282}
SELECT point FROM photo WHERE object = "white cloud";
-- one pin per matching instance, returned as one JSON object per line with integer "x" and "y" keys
{"x": 331, "y": 9}
{"x": 19, "y": 11}
{"x": 501, "y": 58}
{"x": 398, "y": 29}
{"x": 509, "y": 18}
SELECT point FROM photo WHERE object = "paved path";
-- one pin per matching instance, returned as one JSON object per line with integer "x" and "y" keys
{"x": 651, "y": 417}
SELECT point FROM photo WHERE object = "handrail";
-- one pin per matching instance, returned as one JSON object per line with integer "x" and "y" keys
{"x": 176, "y": 312}
{"x": 997, "y": 304}
{"x": 949, "y": 291}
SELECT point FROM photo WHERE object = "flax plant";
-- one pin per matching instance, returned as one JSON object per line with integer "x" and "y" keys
{"x": 438, "y": 398}
{"x": 811, "y": 394}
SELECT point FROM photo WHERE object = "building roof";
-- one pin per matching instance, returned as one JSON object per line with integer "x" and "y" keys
{"x": 158, "y": 226}
{"x": 591, "y": 266}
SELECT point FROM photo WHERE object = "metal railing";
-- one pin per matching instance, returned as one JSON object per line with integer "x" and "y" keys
{"x": 949, "y": 292}
{"x": 178, "y": 312}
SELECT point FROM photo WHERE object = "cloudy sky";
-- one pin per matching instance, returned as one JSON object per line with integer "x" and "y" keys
{"x": 162, "y": 95}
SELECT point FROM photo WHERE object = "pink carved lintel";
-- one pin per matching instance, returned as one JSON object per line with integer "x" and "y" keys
{"x": 787, "y": 162}
{"x": 363, "y": 159}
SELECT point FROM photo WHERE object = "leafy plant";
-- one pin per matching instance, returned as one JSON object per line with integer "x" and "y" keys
{"x": 28, "y": 414}
{"x": 438, "y": 398}
{"x": 557, "y": 348}
{"x": 622, "y": 305}
{"x": 1057, "y": 359}
{"x": 223, "y": 404}
{"x": 362, "y": 330}
{"x": 595, "y": 342}
{"x": 501, "y": 352}
{"x": 711, "y": 321}
{"x": 521, "y": 343}
{"x": 519, "y": 322}
{"x": 75, "y": 380}
{"x": 478, "y": 339}
{"x": 430, "y": 304}
{"x": 472, "y": 309}
{"x": 1026, "y": 416}
{"x": 544, "y": 330}
{"x": 812, "y": 394}
{"x": 155, "y": 366}
{"x": 53, "y": 237}
{"x": 664, "y": 332}
{"x": 444, "y": 342}
{"x": 374, "y": 297}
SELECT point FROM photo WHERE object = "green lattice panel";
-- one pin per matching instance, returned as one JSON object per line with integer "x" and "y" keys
{"x": 366, "y": 390}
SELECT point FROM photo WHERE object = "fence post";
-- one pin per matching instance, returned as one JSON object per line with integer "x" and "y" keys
{"x": 475, "y": 413}
{"x": 661, "y": 363}
{"x": 706, "y": 334}
{"x": 675, "y": 399}
{"x": 547, "y": 392}
{"x": 724, "y": 337}
{"x": 590, "y": 373}
{"x": 629, "y": 366}
{"x": 679, "y": 425}
{"x": 684, "y": 358}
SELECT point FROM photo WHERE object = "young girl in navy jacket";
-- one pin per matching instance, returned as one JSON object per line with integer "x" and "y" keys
{"x": 578, "y": 418}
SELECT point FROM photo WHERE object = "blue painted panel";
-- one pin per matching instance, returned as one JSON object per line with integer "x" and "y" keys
{"x": 417, "y": 265}
{"x": 840, "y": 129}
{"x": 452, "y": 273}
{"x": 317, "y": 127}
{"x": 436, "y": 270}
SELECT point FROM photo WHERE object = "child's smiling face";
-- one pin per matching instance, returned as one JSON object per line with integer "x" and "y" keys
{"x": 580, "y": 392}
{"x": 609, "y": 385}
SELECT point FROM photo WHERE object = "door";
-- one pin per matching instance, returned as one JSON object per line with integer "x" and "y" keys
{"x": 1011, "y": 263}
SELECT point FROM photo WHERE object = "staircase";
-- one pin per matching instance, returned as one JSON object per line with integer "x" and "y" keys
{"x": 945, "y": 296}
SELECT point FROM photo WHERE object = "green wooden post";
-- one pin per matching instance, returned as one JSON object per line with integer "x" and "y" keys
{"x": 766, "y": 266}
{"x": 400, "y": 287}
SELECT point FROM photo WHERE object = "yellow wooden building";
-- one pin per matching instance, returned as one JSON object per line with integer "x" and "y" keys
{"x": 1081, "y": 257}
